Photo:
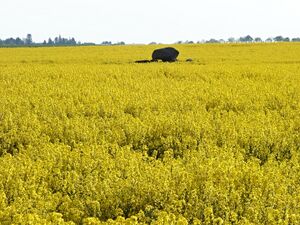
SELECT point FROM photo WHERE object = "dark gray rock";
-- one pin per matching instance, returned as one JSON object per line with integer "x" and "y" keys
{"x": 168, "y": 54}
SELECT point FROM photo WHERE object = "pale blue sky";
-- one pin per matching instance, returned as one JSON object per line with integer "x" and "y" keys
{"x": 138, "y": 21}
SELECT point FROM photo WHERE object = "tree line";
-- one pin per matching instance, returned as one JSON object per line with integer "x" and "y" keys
{"x": 57, "y": 41}
{"x": 28, "y": 41}
{"x": 246, "y": 39}
{"x": 61, "y": 41}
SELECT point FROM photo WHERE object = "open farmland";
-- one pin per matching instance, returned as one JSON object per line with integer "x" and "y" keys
{"x": 89, "y": 137}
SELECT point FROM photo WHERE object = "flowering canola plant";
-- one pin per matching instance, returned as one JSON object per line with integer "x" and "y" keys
{"x": 89, "y": 137}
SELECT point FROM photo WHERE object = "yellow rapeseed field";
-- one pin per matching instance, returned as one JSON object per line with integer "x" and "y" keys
{"x": 89, "y": 137}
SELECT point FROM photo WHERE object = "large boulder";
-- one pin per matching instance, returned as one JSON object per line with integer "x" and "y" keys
{"x": 168, "y": 54}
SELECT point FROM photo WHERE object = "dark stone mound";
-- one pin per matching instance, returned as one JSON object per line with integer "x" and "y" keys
{"x": 189, "y": 60}
{"x": 168, "y": 54}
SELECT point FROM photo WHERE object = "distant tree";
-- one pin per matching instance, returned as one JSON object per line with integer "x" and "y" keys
{"x": 50, "y": 42}
{"x": 10, "y": 41}
{"x": 44, "y": 42}
{"x": 19, "y": 41}
{"x": 278, "y": 39}
{"x": 63, "y": 41}
{"x": 296, "y": 39}
{"x": 201, "y": 42}
{"x": 241, "y": 39}
{"x": 247, "y": 39}
{"x": 189, "y": 42}
{"x": 281, "y": 39}
{"x": 106, "y": 43}
{"x": 258, "y": 39}
{"x": 56, "y": 41}
{"x": 120, "y": 43}
{"x": 72, "y": 41}
{"x": 28, "y": 40}
{"x": 286, "y": 39}
{"x": 59, "y": 39}
{"x": 152, "y": 43}
{"x": 212, "y": 41}
{"x": 231, "y": 40}
{"x": 269, "y": 40}
{"x": 86, "y": 43}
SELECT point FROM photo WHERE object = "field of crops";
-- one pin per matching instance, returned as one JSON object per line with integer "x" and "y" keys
{"x": 89, "y": 137}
